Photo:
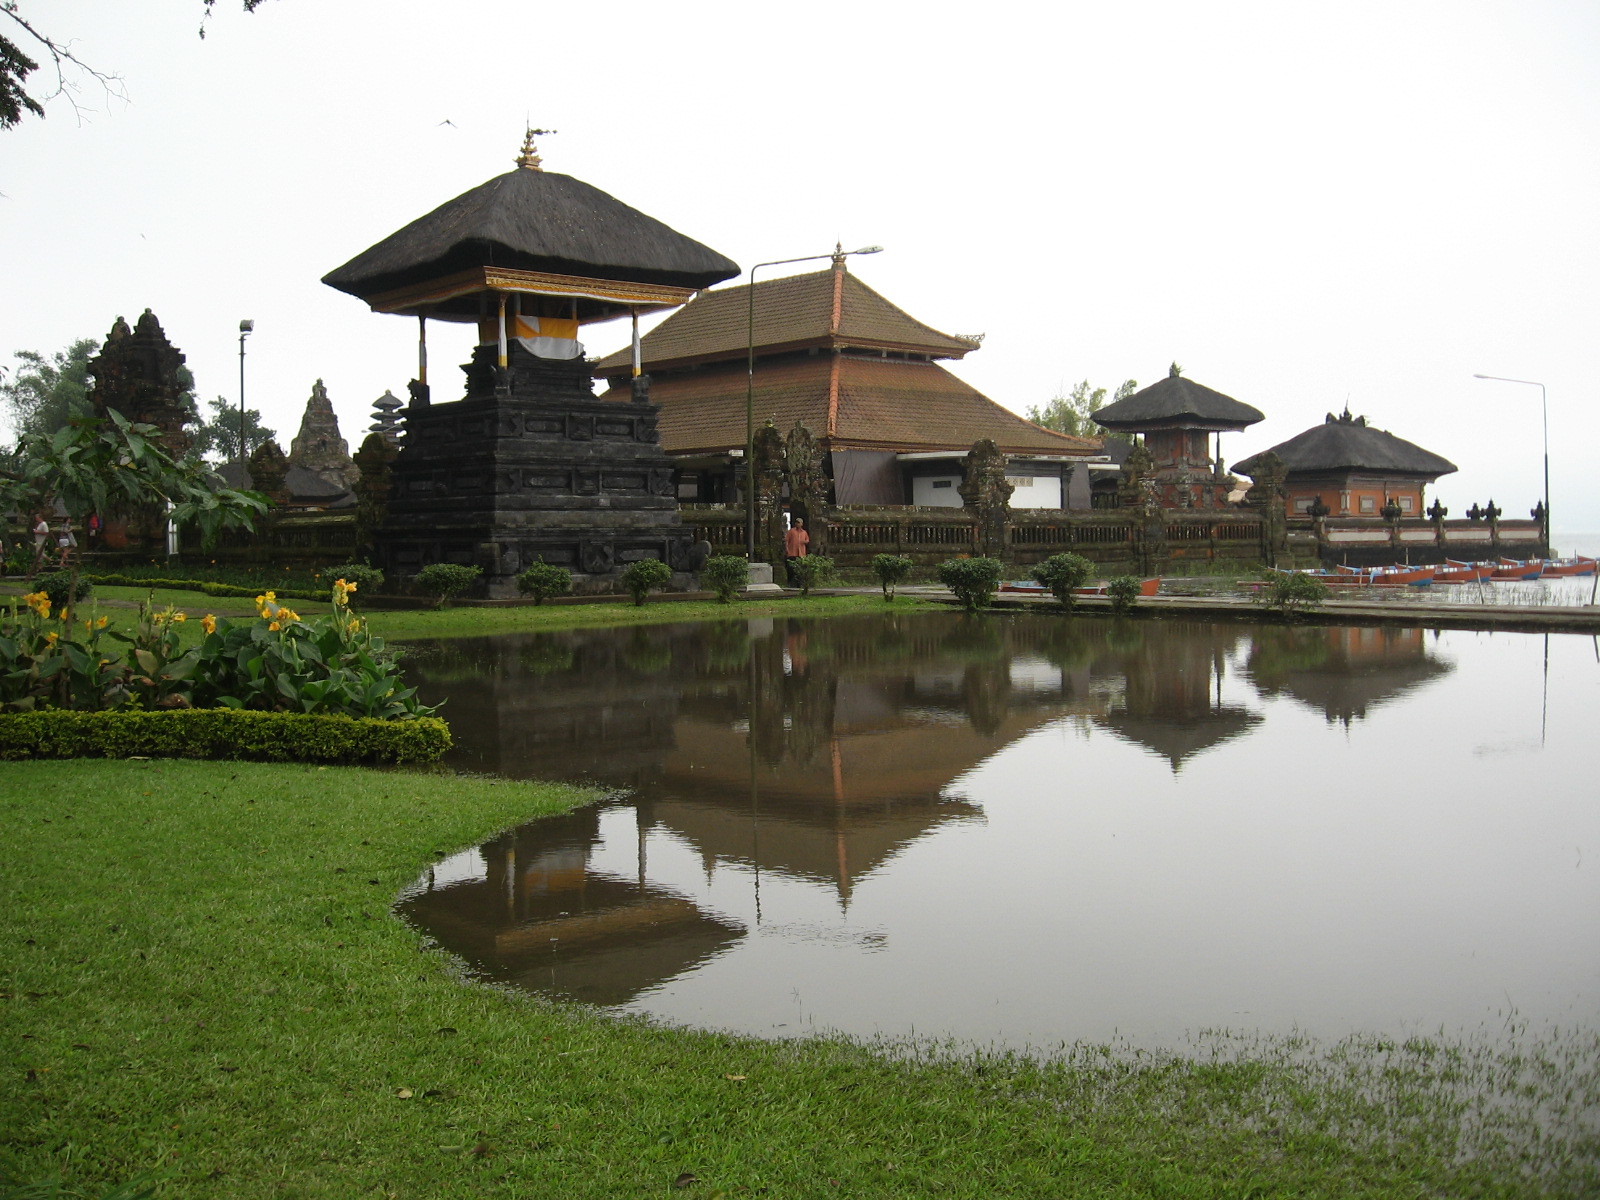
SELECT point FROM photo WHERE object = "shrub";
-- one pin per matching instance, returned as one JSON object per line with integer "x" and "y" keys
{"x": 812, "y": 570}
{"x": 1123, "y": 592}
{"x": 366, "y": 578}
{"x": 1061, "y": 573}
{"x": 973, "y": 580}
{"x": 1290, "y": 591}
{"x": 220, "y": 733}
{"x": 544, "y": 580}
{"x": 58, "y": 585}
{"x": 727, "y": 575}
{"x": 444, "y": 581}
{"x": 645, "y": 576}
{"x": 891, "y": 569}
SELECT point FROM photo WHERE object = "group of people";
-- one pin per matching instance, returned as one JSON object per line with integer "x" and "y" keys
{"x": 54, "y": 546}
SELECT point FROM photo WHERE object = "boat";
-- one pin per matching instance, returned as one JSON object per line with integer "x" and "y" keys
{"x": 1395, "y": 576}
{"x": 1563, "y": 567}
{"x": 1517, "y": 568}
{"x": 1462, "y": 572}
{"x": 1333, "y": 579}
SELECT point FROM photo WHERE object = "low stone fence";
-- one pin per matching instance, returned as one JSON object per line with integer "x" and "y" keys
{"x": 1367, "y": 541}
{"x": 287, "y": 539}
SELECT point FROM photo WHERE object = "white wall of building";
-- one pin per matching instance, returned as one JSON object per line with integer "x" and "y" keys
{"x": 936, "y": 491}
{"x": 1035, "y": 491}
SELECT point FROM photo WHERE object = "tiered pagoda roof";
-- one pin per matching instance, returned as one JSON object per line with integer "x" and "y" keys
{"x": 1176, "y": 402}
{"x": 832, "y": 353}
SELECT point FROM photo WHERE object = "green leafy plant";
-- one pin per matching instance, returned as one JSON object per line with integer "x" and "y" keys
{"x": 445, "y": 581}
{"x": 645, "y": 576}
{"x": 368, "y": 579}
{"x": 1061, "y": 573}
{"x": 727, "y": 575}
{"x": 63, "y": 588}
{"x": 544, "y": 581}
{"x": 48, "y": 660}
{"x": 972, "y": 580}
{"x": 891, "y": 570}
{"x": 1123, "y": 592}
{"x": 1291, "y": 591}
{"x": 811, "y": 570}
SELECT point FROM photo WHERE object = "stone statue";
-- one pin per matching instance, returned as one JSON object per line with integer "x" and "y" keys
{"x": 808, "y": 483}
{"x": 986, "y": 494}
{"x": 319, "y": 448}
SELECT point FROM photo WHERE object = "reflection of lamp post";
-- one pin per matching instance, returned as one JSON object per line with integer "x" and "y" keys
{"x": 246, "y": 328}
{"x": 1544, "y": 409}
{"x": 750, "y": 389}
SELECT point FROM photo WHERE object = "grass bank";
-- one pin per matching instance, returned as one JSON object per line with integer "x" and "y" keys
{"x": 200, "y": 976}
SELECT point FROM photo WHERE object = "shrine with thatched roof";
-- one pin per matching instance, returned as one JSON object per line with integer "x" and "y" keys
{"x": 529, "y": 465}
{"x": 1350, "y": 468}
{"x": 860, "y": 373}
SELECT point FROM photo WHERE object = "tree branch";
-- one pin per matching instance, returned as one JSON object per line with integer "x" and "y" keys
{"x": 16, "y": 66}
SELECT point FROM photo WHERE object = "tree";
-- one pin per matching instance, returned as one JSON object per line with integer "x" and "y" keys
{"x": 1074, "y": 413}
{"x": 46, "y": 393}
{"x": 16, "y": 65}
{"x": 217, "y": 439}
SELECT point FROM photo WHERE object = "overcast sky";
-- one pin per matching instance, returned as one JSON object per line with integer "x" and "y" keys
{"x": 1305, "y": 204}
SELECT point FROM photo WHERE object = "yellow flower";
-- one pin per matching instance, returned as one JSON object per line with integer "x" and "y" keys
{"x": 355, "y": 625}
{"x": 180, "y": 617}
{"x": 207, "y": 622}
{"x": 52, "y": 638}
{"x": 274, "y": 626}
{"x": 39, "y": 602}
{"x": 102, "y": 622}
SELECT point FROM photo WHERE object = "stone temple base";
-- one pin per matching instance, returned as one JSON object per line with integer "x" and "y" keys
{"x": 531, "y": 466}
{"x": 761, "y": 579}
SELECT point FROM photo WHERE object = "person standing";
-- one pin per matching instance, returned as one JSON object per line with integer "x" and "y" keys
{"x": 66, "y": 540}
{"x": 795, "y": 544}
{"x": 41, "y": 541}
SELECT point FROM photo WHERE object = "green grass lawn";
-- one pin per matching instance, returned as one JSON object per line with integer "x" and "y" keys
{"x": 200, "y": 977}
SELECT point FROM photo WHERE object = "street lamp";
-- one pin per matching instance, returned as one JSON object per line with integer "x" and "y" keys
{"x": 750, "y": 388}
{"x": 1544, "y": 409}
{"x": 246, "y": 328}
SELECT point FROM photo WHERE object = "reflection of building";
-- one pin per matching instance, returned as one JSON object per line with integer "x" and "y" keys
{"x": 1171, "y": 703}
{"x": 1342, "y": 671}
{"x": 1352, "y": 468}
{"x": 538, "y": 917}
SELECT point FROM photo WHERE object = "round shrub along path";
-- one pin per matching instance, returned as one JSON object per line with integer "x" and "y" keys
{"x": 201, "y": 978}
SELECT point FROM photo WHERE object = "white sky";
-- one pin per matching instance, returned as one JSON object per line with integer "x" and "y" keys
{"x": 1303, "y": 203}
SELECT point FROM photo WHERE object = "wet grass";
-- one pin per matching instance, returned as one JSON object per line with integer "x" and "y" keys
{"x": 200, "y": 978}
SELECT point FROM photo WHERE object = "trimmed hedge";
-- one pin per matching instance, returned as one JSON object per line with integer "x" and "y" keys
{"x": 220, "y": 590}
{"x": 220, "y": 733}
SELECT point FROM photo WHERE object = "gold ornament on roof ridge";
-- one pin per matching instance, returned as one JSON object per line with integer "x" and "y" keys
{"x": 529, "y": 157}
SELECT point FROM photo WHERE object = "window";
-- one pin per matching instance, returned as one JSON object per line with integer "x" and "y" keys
{"x": 944, "y": 483}
{"x": 1303, "y": 506}
{"x": 1405, "y": 504}
{"x": 1369, "y": 504}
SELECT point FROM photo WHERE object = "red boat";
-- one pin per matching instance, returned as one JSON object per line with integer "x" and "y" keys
{"x": 1560, "y": 567}
{"x": 1462, "y": 572}
{"x": 1392, "y": 576}
{"x": 1517, "y": 568}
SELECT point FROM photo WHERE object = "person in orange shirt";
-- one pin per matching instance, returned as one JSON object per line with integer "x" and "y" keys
{"x": 795, "y": 542}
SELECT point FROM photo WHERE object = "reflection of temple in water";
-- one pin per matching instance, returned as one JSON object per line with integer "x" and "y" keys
{"x": 540, "y": 918}
{"x": 1171, "y": 702}
{"x": 1342, "y": 671}
{"x": 816, "y": 751}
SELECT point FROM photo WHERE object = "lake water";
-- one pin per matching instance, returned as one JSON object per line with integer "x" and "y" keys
{"x": 1028, "y": 830}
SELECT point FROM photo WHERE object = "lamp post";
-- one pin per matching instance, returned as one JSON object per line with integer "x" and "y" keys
{"x": 750, "y": 388}
{"x": 246, "y": 328}
{"x": 1544, "y": 409}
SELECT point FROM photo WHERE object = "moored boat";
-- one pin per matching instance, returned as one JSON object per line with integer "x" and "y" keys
{"x": 1462, "y": 572}
{"x": 1517, "y": 568}
{"x": 1562, "y": 567}
{"x": 1395, "y": 576}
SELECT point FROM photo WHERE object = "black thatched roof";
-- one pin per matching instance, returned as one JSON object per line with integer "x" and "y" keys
{"x": 1177, "y": 401}
{"x": 534, "y": 220}
{"x": 1346, "y": 443}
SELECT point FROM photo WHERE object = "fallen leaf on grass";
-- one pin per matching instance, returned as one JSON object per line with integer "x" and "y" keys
{"x": 404, "y": 1093}
{"x": 736, "y": 1078}
{"x": 684, "y": 1180}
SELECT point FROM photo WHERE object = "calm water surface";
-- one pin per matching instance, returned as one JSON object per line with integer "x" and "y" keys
{"x": 1027, "y": 830}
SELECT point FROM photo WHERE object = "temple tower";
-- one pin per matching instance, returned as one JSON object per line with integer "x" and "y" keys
{"x": 529, "y": 464}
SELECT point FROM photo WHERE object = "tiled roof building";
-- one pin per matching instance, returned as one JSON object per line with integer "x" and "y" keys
{"x": 859, "y": 372}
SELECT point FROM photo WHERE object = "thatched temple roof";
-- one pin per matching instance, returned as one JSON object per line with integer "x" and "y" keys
{"x": 535, "y": 221}
{"x": 1346, "y": 443}
{"x": 1176, "y": 402}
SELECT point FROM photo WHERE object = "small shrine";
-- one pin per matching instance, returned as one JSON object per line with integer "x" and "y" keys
{"x": 1178, "y": 418}
{"x": 319, "y": 448}
{"x": 1346, "y": 467}
{"x": 529, "y": 464}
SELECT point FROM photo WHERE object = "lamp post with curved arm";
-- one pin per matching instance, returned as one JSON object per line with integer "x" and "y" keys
{"x": 750, "y": 388}
{"x": 1544, "y": 409}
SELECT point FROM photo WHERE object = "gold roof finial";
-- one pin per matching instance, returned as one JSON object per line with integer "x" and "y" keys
{"x": 838, "y": 256}
{"x": 529, "y": 157}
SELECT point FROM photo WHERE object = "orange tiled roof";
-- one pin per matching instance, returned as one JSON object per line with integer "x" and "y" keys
{"x": 849, "y": 402}
{"x": 794, "y": 312}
